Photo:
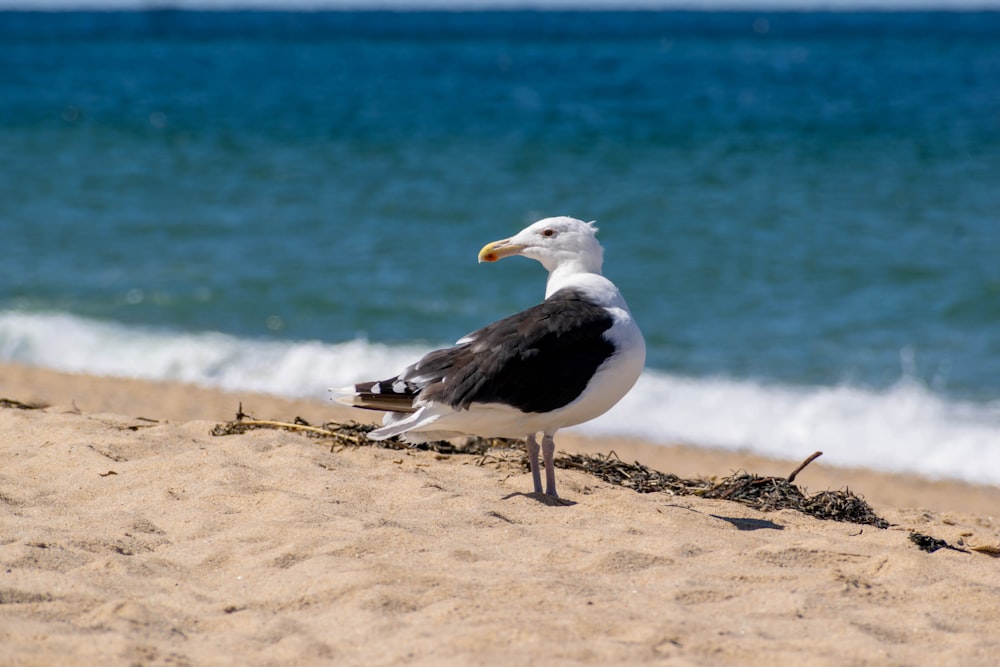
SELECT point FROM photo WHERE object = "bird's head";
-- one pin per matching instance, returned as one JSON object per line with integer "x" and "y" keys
{"x": 555, "y": 242}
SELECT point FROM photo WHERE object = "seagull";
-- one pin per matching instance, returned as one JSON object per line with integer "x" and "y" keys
{"x": 561, "y": 363}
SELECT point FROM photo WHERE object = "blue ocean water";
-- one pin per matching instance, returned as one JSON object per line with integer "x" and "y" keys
{"x": 802, "y": 208}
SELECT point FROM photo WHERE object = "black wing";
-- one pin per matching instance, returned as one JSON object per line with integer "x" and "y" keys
{"x": 536, "y": 361}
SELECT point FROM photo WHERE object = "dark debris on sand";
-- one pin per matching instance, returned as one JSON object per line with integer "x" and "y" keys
{"x": 931, "y": 544}
{"x": 18, "y": 405}
{"x": 766, "y": 494}
{"x": 351, "y": 434}
{"x": 762, "y": 493}
{"x": 776, "y": 493}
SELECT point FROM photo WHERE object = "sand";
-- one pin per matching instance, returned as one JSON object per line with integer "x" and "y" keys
{"x": 130, "y": 535}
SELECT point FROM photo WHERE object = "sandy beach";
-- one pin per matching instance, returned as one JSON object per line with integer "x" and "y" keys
{"x": 130, "y": 535}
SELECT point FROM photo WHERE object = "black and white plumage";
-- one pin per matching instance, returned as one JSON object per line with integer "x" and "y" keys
{"x": 560, "y": 363}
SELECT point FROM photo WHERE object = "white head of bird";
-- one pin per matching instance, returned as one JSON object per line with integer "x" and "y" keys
{"x": 561, "y": 244}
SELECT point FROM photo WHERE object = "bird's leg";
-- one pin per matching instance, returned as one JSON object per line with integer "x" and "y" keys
{"x": 548, "y": 456}
{"x": 536, "y": 476}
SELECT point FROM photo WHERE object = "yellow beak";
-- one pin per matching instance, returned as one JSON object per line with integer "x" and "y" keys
{"x": 491, "y": 252}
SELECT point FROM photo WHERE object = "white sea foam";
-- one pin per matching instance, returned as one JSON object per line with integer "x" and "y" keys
{"x": 904, "y": 428}
{"x": 294, "y": 369}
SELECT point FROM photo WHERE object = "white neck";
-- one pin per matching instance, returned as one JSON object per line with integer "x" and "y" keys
{"x": 598, "y": 288}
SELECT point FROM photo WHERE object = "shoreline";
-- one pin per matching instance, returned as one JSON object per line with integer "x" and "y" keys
{"x": 182, "y": 402}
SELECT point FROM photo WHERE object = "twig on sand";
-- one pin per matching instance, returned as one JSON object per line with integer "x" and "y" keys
{"x": 264, "y": 423}
{"x": 354, "y": 434}
{"x": 812, "y": 457}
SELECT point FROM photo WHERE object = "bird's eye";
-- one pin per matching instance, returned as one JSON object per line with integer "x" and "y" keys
{"x": 549, "y": 232}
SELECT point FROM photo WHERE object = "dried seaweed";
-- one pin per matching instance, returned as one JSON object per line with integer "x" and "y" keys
{"x": 776, "y": 493}
{"x": 766, "y": 494}
{"x": 18, "y": 405}
{"x": 762, "y": 493}
{"x": 843, "y": 506}
{"x": 931, "y": 544}
{"x": 352, "y": 434}
{"x": 636, "y": 476}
